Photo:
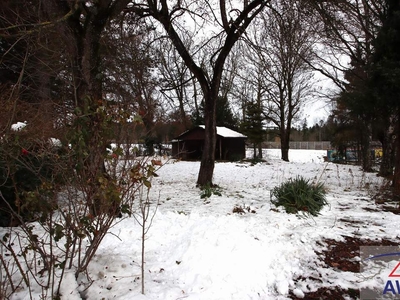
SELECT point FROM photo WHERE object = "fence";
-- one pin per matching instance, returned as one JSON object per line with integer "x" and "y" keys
{"x": 324, "y": 145}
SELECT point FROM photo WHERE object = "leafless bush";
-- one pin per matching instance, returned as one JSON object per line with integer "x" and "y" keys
{"x": 144, "y": 213}
{"x": 63, "y": 218}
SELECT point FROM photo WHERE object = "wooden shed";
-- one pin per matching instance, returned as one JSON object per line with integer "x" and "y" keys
{"x": 189, "y": 145}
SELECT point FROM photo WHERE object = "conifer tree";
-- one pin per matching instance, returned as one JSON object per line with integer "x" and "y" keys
{"x": 386, "y": 74}
{"x": 224, "y": 114}
{"x": 252, "y": 126}
{"x": 359, "y": 107}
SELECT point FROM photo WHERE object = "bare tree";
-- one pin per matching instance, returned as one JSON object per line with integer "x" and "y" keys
{"x": 286, "y": 79}
{"x": 219, "y": 25}
{"x": 130, "y": 65}
{"x": 249, "y": 89}
{"x": 346, "y": 30}
{"x": 176, "y": 80}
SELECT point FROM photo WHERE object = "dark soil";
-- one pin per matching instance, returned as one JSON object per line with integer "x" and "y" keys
{"x": 340, "y": 255}
{"x": 331, "y": 294}
{"x": 389, "y": 200}
{"x": 395, "y": 210}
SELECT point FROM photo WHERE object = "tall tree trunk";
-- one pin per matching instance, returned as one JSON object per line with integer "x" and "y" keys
{"x": 366, "y": 136}
{"x": 182, "y": 112}
{"x": 83, "y": 40}
{"x": 285, "y": 134}
{"x": 386, "y": 166}
{"x": 89, "y": 98}
{"x": 210, "y": 140}
{"x": 260, "y": 154}
{"x": 396, "y": 176}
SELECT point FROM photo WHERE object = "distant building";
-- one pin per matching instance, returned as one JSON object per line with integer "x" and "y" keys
{"x": 189, "y": 145}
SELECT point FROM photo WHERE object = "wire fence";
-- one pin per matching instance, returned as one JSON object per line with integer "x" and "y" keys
{"x": 323, "y": 145}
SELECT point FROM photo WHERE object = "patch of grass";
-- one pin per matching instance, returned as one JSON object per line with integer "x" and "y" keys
{"x": 239, "y": 209}
{"x": 254, "y": 161}
{"x": 299, "y": 195}
{"x": 209, "y": 190}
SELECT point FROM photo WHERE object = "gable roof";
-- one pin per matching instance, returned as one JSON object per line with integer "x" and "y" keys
{"x": 226, "y": 132}
{"x": 221, "y": 131}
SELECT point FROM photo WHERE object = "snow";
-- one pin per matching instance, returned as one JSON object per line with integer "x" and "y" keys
{"x": 226, "y": 132}
{"x": 199, "y": 249}
{"x": 18, "y": 126}
{"x": 56, "y": 143}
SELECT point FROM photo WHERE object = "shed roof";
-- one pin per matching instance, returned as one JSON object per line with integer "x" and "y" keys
{"x": 226, "y": 132}
{"x": 221, "y": 131}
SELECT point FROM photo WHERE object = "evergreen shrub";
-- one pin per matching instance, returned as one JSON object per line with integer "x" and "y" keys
{"x": 27, "y": 178}
{"x": 300, "y": 194}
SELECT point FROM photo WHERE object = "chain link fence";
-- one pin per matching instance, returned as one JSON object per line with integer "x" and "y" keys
{"x": 324, "y": 145}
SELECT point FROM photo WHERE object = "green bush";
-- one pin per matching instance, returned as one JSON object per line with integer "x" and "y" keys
{"x": 26, "y": 180}
{"x": 300, "y": 195}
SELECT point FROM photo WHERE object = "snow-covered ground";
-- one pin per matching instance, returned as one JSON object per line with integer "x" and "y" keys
{"x": 199, "y": 249}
